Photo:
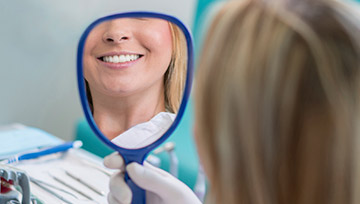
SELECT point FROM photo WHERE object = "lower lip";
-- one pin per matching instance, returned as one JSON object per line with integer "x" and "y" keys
{"x": 120, "y": 65}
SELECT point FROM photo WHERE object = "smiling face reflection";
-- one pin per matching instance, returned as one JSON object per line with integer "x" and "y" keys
{"x": 126, "y": 56}
{"x": 128, "y": 64}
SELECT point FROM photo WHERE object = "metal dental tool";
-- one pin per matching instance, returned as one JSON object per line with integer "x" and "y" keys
{"x": 51, "y": 192}
{"x": 200, "y": 185}
{"x": 91, "y": 187}
{"x": 52, "y": 186}
{"x": 90, "y": 164}
{"x": 71, "y": 187}
{"x": 169, "y": 147}
{"x": 17, "y": 177}
{"x": 154, "y": 160}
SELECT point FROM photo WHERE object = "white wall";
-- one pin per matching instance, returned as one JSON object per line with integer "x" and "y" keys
{"x": 38, "y": 42}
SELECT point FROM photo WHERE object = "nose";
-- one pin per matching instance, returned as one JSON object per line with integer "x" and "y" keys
{"x": 115, "y": 36}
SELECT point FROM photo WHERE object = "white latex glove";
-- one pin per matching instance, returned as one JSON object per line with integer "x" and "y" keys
{"x": 161, "y": 187}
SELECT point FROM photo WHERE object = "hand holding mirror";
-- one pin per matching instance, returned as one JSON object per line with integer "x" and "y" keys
{"x": 134, "y": 77}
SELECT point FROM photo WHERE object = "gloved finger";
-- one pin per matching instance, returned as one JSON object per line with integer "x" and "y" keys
{"x": 119, "y": 189}
{"x": 112, "y": 200}
{"x": 114, "y": 161}
{"x": 158, "y": 170}
{"x": 162, "y": 184}
{"x": 148, "y": 178}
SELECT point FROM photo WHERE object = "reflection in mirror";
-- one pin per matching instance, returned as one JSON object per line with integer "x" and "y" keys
{"x": 134, "y": 71}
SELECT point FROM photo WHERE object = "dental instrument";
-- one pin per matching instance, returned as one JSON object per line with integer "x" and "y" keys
{"x": 200, "y": 185}
{"x": 54, "y": 187}
{"x": 90, "y": 164}
{"x": 71, "y": 187}
{"x": 51, "y": 192}
{"x": 52, "y": 150}
{"x": 11, "y": 177}
{"x": 91, "y": 187}
{"x": 8, "y": 193}
{"x": 169, "y": 147}
{"x": 154, "y": 160}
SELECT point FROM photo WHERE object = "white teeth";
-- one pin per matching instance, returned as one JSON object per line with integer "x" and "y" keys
{"x": 116, "y": 59}
{"x": 120, "y": 58}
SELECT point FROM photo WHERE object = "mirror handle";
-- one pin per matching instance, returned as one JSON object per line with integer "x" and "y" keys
{"x": 137, "y": 192}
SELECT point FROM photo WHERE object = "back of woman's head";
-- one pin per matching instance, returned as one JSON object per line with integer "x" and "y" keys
{"x": 277, "y": 103}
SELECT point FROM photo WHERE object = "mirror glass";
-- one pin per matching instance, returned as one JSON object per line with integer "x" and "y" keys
{"x": 134, "y": 71}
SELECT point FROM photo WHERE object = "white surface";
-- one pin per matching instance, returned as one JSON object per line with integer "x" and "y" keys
{"x": 42, "y": 168}
{"x": 146, "y": 133}
{"x": 39, "y": 40}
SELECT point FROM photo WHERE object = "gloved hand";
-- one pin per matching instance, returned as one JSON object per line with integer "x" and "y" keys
{"x": 161, "y": 187}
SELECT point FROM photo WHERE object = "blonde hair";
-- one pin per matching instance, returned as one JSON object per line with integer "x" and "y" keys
{"x": 175, "y": 76}
{"x": 277, "y": 103}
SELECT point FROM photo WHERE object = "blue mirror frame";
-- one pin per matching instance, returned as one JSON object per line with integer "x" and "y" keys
{"x": 135, "y": 155}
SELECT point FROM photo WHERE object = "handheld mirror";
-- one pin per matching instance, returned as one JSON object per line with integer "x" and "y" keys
{"x": 134, "y": 75}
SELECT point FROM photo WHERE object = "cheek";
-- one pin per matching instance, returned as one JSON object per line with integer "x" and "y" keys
{"x": 159, "y": 43}
{"x": 88, "y": 57}
{"x": 88, "y": 67}
{"x": 163, "y": 41}
{"x": 86, "y": 70}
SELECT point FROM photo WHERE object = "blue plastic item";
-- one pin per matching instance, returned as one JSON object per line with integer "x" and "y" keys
{"x": 135, "y": 155}
{"x": 43, "y": 152}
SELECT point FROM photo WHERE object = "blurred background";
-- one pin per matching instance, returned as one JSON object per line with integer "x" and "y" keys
{"x": 38, "y": 45}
